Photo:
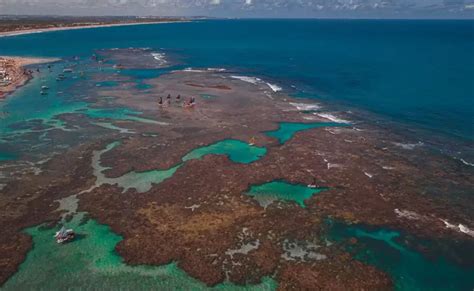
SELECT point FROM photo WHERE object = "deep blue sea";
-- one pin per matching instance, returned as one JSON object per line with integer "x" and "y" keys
{"x": 414, "y": 74}
{"x": 415, "y": 77}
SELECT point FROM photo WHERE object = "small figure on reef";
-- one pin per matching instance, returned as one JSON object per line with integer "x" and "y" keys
{"x": 178, "y": 98}
{"x": 161, "y": 101}
{"x": 168, "y": 99}
{"x": 252, "y": 141}
{"x": 313, "y": 184}
{"x": 191, "y": 103}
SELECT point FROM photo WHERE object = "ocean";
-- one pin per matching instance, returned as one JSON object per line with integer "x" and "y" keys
{"x": 414, "y": 74}
{"x": 412, "y": 77}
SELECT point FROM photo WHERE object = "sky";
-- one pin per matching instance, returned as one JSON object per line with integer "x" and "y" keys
{"x": 248, "y": 8}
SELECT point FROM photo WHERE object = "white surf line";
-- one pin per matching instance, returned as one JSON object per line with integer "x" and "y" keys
{"x": 465, "y": 162}
{"x": 332, "y": 117}
{"x": 408, "y": 146}
{"x": 160, "y": 57}
{"x": 254, "y": 80}
{"x": 459, "y": 228}
{"x": 43, "y": 30}
{"x": 207, "y": 70}
{"x": 305, "y": 106}
{"x": 415, "y": 216}
{"x": 275, "y": 88}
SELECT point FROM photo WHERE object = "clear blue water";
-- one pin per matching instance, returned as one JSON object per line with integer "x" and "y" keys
{"x": 417, "y": 73}
{"x": 286, "y": 130}
{"x": 409, "y": 269}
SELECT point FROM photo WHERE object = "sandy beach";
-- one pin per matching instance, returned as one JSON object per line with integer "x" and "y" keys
{"x": 13, "y": 73}
{"x": 40, "y": 30}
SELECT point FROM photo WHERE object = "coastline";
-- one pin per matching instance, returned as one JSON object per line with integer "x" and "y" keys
{"x": 14, "y": 68}
{"x": 41, "y": 30}
{"x": 375, "y": 178}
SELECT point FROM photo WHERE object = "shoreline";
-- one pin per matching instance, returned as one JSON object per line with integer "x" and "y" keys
{"x": 362, "y": 167}
{"x": 14, "y": 73}
{"x": 41, "y": 30}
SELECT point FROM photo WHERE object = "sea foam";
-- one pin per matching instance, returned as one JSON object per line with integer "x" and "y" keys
{"x": 160, "y": 57}
{"x": 408, "y": 146}
{"x": 460, "y": 228}
{"x": 305, "y": 106}
{"x": 275, "y": 88}
{"x": 332, "y": 117}
{"x": 253, "y": 80}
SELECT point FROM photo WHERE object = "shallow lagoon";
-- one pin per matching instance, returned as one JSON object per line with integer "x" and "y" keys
{"x": 91, "y": 263}
{"x": 409, "y": 269}
{"x": 286, "y": 130}
{"x": 267, "y": 193}
{"x": 236, "y": 150}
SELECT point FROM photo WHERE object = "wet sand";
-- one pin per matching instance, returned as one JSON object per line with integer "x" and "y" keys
{"x": 15, "y": 70}
{"x": 82, "y": 26}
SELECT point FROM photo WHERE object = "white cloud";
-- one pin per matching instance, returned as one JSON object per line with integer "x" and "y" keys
{"x": 254, "y": 8}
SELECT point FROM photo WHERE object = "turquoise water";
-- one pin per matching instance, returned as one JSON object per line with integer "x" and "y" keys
{"x": 286, "y": 130}
{"x": 266, "y": 193}
{"x": 91, "y": 263}
{"x": 408, "y": 268}
{"x": 107, "y": 84}
{"x": 408, "y": 74}
{"x": 208, "y": 96}
{"x": 413, "y": 72}
{"x": 5, "y": 156}
{"x": 236, "y": 150}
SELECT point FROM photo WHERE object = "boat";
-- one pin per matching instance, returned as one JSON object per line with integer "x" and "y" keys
{"x": 44, "y": 88}
{"x": 314, "y": 184}
{"x": 42, "y": 92}
{"x": 68, "y": 70}
{"x": 64, "y": 235}
{"x": 252, "y": 141}
{"x": 60, "y": 77}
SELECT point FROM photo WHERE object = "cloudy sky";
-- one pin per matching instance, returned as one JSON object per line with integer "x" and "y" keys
{"x": 248, "y": 8}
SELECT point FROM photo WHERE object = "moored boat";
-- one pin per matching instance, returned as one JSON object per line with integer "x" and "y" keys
{"x": 64, "y": 235}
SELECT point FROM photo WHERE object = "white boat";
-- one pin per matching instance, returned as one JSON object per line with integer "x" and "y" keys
{"x": 44, "y": 88}
{"x": 64, "y": 235}
{"x": 68, "y": 70}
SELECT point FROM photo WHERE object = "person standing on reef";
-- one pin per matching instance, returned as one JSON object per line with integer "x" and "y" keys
{"x": 168, "y": 98}
{"x": 160, "y": 103}
{"x": 178, "y": 98}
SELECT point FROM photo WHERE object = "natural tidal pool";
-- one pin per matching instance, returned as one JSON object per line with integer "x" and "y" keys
{"x": 286, "y": 130}
{"x": 7, "y": 156}
{"x": 236, "y": 150}
{"x": 409, "y": 269}
{"x": 267, "y": 193}
{"x": 91, "y": 263}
